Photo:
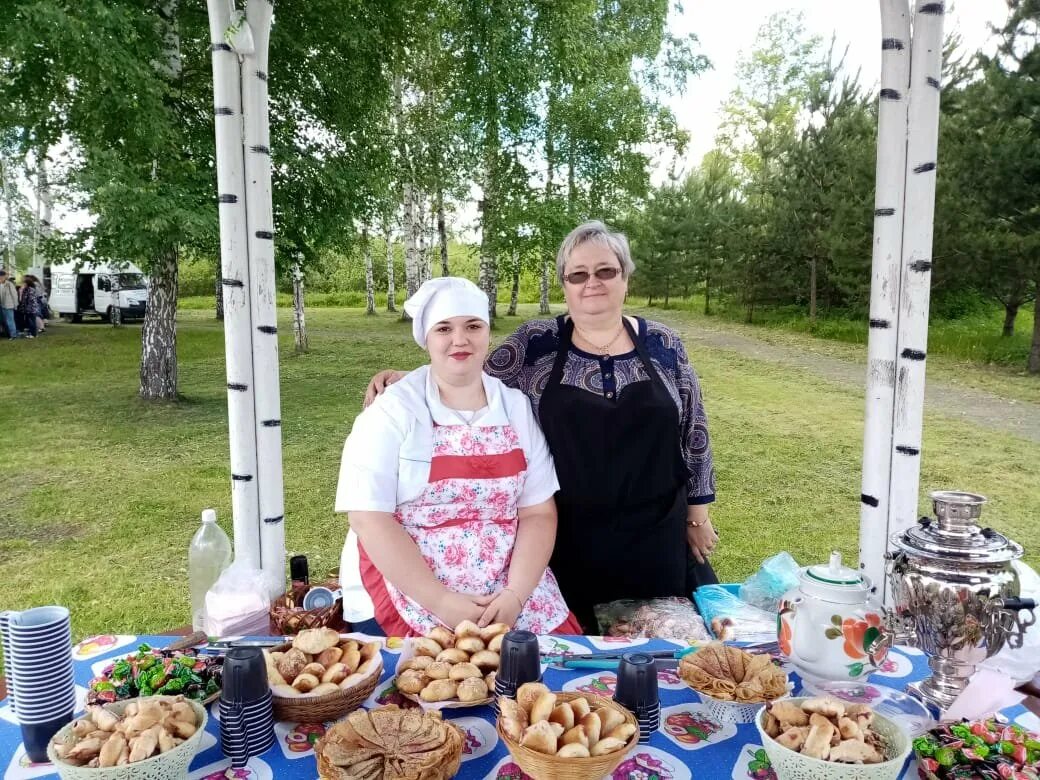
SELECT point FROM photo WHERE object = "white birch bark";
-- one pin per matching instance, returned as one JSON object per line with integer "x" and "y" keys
{"x": 884, "y": 287}
{"x": 158, "y": 376}
{"x": 234, "y": 272}
{"x": 442, "y": 234}
{"x": 422, "y": 247}
{"x": 543, "y": 295}
{"x": 370, "y": 285}
{"x": 9, "y": 190}
{"x": 300, "y": 340}
{"x": 391, "y": 292}
{"x": 256, "y": 150}
{"x": 514, "y": 292}
{"x": 411, "y": 238}
{"x": 916, "y": 272}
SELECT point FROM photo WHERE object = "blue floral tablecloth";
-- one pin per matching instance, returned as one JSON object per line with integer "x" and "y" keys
{"x": 688, "y": 743}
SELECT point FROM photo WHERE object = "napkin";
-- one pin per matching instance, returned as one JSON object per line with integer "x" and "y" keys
{"x": 989, "y": 691}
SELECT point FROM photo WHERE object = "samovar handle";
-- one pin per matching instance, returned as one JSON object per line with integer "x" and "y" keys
{"x": 1015, "y": 607}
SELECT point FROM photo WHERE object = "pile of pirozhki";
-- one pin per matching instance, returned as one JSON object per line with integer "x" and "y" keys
{"x": 983, "y": 750}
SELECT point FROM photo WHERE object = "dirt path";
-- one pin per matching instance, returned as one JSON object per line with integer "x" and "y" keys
{"x": 1019, "y": 418}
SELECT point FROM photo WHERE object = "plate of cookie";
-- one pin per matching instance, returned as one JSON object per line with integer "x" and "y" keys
{"x": 451, "y": 668}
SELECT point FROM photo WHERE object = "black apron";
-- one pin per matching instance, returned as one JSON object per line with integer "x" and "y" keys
{"x": 622, "y": 500}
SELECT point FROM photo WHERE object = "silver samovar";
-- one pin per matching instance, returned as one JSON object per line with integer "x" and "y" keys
{"x": 955, "y": 594}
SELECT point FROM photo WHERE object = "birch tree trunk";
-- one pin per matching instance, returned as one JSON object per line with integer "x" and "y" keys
{"x": 1034, "y": 350}
{"x": 442, "y": 234}
{"x": 421, "y": 244}
{"x": 9, "y": 193}
{"x": 543, "y": 296}
{"x": 159, "y": 333}
{"x": 37, "y": 207}
{"x": 514, "y": 293}
{"x": 116, "y": 310}
{"x": 234, "y": 279}
{"x": 299, "y": 323}
{"x": 411, "y": 240}
{"x": 812, "y": 290}
{"x": 370, "y": 285}
{"x": 218, "y": 293}
{"x": 391, "y": 303}
{"x": 263, "y": 291}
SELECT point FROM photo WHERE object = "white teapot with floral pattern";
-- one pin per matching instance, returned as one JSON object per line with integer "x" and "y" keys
{"x": 830, "y": 627}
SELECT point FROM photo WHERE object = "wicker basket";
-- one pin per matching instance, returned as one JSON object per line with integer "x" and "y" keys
{"x": 288, "y": 617}
{"x": 331, "y": 706}
{"x": 729, "y": 712}
{"x": 172, "y": 765}
{"x": 790, "y": 765}
{"x": 541, "y": 766}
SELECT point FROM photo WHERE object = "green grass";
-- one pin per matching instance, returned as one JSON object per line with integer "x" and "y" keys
{"x": 102, "y": 492}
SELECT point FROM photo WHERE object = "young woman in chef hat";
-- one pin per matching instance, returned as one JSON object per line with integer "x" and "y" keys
{"x": 448, "y": 483}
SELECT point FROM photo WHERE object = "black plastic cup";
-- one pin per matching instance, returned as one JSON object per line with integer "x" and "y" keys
{"x": 36, "y": 736}
{"x": 521, "y": 660}
{"x": 244, "y": 676}
{"x": 637, "y": 691}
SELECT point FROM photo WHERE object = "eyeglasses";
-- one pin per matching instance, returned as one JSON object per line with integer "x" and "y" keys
{"x": 580, "y": 277}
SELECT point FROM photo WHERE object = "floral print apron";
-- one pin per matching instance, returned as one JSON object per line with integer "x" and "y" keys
{"x": 464, "y": 524}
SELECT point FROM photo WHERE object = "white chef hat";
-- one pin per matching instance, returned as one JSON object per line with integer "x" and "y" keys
{"x": 442, "y": 298}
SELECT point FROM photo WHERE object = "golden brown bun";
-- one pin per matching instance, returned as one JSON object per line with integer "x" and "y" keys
{"x": 528, "y": 693}
{"x": 573, "y": 750}
{"x": 470, "y": 644}
{"x": 576, "y": 734}
{"x": 495, "y": 629}
{"x": 312, "y": 668}
{"x": 564, "y": 715}
{"x": 351, "y": 659}
{"x": 438, "y": 670}
{"x": 623, "y": 732}
{"x": 424, "y": 646}
{"x": 453, "y": 655}
{"x": 329, "y": 657}
{"x": 442, "y": 636}
{"x": 606, "y": 745}
{"x": 465, "y": 670}
{"x": 539, "y": 736}
{"x": 412, "y": 681}
{"x": 472, "y": 689}
{"x": 466, "y": 628}
{"x": 336, "y": 673}
{"x": 609, "y": 719}
{"x": 291, "y": 664}
{"x": 316, "y": 640}
{"x": 323, "y": 689}
{"x": 306, "y": 682}
{"x": 543, "y": 707}
{"x": 439, "y": 690}
{"x": 593, "y": 727}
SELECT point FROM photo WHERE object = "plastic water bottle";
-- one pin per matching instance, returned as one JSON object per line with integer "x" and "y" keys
{"x": 208, "y": 555}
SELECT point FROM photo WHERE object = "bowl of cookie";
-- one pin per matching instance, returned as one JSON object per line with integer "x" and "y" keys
{"x": 824, "y": 738}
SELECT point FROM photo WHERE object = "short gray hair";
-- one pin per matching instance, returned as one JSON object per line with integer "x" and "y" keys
{"x": 597, "y": 232}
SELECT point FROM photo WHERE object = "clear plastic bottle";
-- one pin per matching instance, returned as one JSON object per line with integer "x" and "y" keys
{"x": 208, "y": 555}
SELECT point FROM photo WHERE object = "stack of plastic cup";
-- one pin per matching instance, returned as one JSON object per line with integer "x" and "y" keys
{"x": 246, "y": 712}
{"x": 40, "y": 681}
{"x": 520, "y": 662}
{"x": 637, "y": 692}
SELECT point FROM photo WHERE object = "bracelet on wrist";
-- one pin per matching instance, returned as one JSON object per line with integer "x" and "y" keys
{"x": 695, "y": 524}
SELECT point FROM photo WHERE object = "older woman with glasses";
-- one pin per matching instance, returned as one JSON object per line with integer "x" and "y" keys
{"x": 622, "y": 412}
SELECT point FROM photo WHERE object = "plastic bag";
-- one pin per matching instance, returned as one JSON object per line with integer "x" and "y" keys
{"x": 672, "y": 617}
{"x": 238, "y": 603}
{"x": 1021, "y": 664}
{"x": 733, "y": 619}
{"x": 774, "y": 578}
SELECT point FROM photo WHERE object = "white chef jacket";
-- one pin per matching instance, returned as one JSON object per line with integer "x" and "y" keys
{"x": 386, "y": 459}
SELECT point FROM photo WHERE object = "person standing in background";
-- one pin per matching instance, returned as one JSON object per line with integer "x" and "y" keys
{"x": 8, "y": 303}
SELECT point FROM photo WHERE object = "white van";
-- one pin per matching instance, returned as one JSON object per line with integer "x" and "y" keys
{"x": 75, "y": 289}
